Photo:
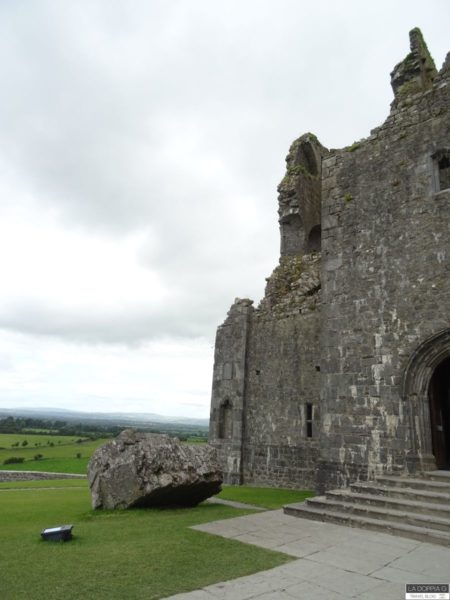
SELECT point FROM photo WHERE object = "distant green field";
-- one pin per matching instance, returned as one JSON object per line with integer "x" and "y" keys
{"x": 59, "y": 458}
{"x": 115, "y": 555}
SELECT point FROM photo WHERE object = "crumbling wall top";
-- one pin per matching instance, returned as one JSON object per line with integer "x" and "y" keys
{"x": 299, "y": 205}
{"x": 416, "y": 72}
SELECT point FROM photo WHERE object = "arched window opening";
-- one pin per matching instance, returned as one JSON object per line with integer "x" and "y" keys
{"x": 307, "y": 158}
{"x": 314, "y": 239}
{"x": 225, "y": 420}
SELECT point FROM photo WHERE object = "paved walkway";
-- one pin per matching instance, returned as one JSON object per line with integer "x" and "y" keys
{"x": 333, "y": 562}
{"x": 233, "y": 503}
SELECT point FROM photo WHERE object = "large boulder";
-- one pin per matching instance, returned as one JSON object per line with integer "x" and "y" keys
{"x": 144, "y": 469}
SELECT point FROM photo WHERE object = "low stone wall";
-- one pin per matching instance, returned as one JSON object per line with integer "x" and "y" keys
{"x": 35, "y": 475}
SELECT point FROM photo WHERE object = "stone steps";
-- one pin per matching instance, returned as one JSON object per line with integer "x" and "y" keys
{"x": 427, "y": 508}
{"x": 416, "y": 533}
{"x": 430, "y": 485}
{"x": 437, "y": 475}
{"x": 404, "y": 492}
{"x": 413, "y": 507}
{"x": 375, "y": 512}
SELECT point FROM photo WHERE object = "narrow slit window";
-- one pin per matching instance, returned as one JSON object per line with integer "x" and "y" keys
{"x": 441, "y": 160}
{"x": 309, "y": 420}
{"x": 444, "y": 172}
{"x": 225, "y": 420}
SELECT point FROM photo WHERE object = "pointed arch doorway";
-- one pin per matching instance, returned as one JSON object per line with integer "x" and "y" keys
{"x": 439, "y": 398}
{"x": 426, "y": 398}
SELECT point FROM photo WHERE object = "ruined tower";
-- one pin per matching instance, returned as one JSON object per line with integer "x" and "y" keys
{"x": 343, "y": 370}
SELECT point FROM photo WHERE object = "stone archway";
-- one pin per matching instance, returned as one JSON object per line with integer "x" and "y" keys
{"x": 417, "y": 386}
{"x": 314, "y": 240}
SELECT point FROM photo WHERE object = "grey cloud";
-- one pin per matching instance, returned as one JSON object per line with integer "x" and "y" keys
{"x": 111, "y": 112}
{"x": 83, "y": 121}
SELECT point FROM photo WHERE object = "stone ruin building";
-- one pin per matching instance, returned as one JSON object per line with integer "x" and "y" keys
{"x": 342, "y": 372}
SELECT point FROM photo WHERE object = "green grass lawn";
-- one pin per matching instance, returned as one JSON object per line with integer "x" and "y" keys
{"x": 270, "y": 498}
{"x": 119, "y": 555}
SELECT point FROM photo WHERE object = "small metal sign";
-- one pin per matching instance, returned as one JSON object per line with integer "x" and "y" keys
{"x": 58, "y": 534}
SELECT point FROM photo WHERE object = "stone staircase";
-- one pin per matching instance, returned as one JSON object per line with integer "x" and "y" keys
{"x": 414, "y": 507}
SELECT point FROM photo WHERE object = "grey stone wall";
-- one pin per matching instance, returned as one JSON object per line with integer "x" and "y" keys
{"x": 386, "y": 286}
{"x": 36, "y": 475}
{"x": 267, "y": 367}
{"x": 356, "y": 316}
{"x": 282, "y": 377}
{"x": 228, "y": 390}
{"x": 275, "y": 375}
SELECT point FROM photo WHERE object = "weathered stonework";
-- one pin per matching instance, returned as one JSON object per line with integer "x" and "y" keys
{"x": 338, "y": 374}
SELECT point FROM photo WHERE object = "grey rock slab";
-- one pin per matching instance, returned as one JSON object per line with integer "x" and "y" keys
{"x": 143, "y": 469}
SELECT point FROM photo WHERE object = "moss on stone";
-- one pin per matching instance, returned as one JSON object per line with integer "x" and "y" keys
{"x": 353, "y": 147}
{"x": 284, "y": 275}
{"x": 408, "y": 89}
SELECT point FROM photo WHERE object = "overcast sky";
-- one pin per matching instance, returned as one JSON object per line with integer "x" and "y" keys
{"x": 141, "y": 144}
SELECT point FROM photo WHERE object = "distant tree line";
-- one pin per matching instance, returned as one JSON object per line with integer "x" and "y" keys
{"x": 95, "y": 430}
{"x": 55, "y": 427}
